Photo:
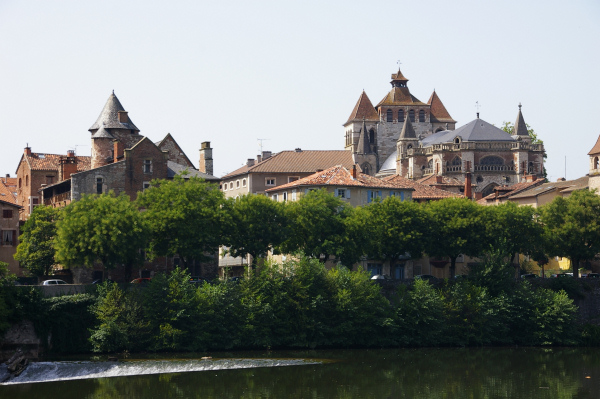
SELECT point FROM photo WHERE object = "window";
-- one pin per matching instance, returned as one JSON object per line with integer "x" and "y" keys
{"x": 7, "y": 213}
{"x": 343, "y": 193}
{"x": 26, "y": 180}
{"x": 231, "y": 185}
{"x": 275, "y": 197}
{"x": 421, "y": 116}
{"x": 372, "y": 195}
{"x": 398, "y": 273}
{"x": 400, "y": 115}
{"x": 374, "y": 268}
{"x": 389, "y": 116}
{"x": 147, "y": 166}
{"x": 291, "y": 179}
{"x": 492, "y": 160}
{"x": 411, "y": 115}
{"x": 99, "y": 185}
{"x": 237, "y": 184}
{"x": 285, "y": 196}
{"x": 293, "y": 194}
{"x": 372, "y": 136}
{"x": 8, "y": 237}
{"x": 145, "y": 185}
{"x": 20, "y": 181}
{"x": 243, "y": 182}
{"x": 225, "y": 187}
{"x": 399, "y": 194}
{"x": 270, "y": 181}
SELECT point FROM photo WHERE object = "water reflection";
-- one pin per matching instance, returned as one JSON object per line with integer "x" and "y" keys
{"x": 422, "y": 373}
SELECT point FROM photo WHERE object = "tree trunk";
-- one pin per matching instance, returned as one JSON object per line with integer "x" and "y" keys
{"x": 452, "y": 266}
{"x": 575, "y": 264}
{"x": 516, "y": 265}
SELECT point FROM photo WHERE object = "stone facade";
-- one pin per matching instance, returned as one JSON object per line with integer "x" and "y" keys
{"x": 9, "y": 235}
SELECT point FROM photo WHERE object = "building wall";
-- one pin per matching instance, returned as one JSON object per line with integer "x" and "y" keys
{"x": 8, "y": 249}
{"x": 112, "y": 175}
{"x": 236, "y": 186}
{"x": 136, "y": 174}
{"x": 176, "y": 154}
{"x": 28, "y": 183}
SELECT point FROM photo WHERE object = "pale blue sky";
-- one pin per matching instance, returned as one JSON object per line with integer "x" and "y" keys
{"x": 232, "y": 72}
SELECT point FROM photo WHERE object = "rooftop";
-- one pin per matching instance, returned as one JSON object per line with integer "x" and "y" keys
{"x": 422, "y": 191}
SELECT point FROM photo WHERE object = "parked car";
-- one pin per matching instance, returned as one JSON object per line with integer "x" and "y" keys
{"x": 99, "y": 281}
{"x": 564, "y": 275}
{"x": 198, "y": 280}
{"x": 54, "y": 282}
{"x": 380, "y": 277}
{"x": 427, "y": 277}
{"x": 529, "y": 275}
{"x": 593, "y": 275}
{"x": 141, "y": 280}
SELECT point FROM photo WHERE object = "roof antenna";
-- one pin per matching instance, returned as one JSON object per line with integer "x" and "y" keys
{"x": 477, "y": 105}
{"x": 261, "y": 144}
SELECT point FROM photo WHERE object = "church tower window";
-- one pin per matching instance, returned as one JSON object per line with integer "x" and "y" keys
{"x": 400, "y": 115}
{"x": 411, "y": 115}
{"x": 389, "y": 116}
{"x": 596, "y": 163}
{"x": 421, "y": 116}
{"x": 372, "y": 136}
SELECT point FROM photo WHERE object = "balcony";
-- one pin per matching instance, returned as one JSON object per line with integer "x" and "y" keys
{"x": 494, "y": 168}
{"x": 58, "y": 198}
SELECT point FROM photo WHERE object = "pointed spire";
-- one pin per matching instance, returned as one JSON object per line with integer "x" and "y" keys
{"x": 407, "y": 132}
{"x": 520, "y": 128}
{"x": 363, "y": 109}
{"x": 109, "y": 117}
{"x": 439, "y": 113}
{"x": 363, "y": 140}
{"x": 398, "y": 80}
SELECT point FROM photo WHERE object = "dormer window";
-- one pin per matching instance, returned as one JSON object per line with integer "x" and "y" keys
{"x": 457, "y": 140}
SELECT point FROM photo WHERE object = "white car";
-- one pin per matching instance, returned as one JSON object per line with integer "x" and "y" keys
{"x": 54, "y": 282}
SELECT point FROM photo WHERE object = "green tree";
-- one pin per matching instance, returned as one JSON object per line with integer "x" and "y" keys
{"x": 457, "y": 227}
{"x": 317, "y": 225}
{"x": 100, "y": 228}
{"x": 394, "y": 228}
{"x": 184, "y": 218}
{"x": 508, "y": 127}
{"x": 254, "y": 224}
{"x": 572, "y": 227}
{"x": 36, "y": 248}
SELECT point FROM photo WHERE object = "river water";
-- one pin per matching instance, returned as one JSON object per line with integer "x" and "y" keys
{"x": 382, "y": 373}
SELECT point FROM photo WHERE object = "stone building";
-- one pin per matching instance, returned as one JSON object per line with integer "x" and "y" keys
{"x": 9, "y": 225}
{"x": 594, "y": 174}
{"x": 372, "y": 132}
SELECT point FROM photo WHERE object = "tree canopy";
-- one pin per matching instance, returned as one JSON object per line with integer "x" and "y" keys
{"x": 184, "y": 217}
{"x": 36, "y": 248}
{"x": 100, "y": 228}
{"x": 572, "y": 226}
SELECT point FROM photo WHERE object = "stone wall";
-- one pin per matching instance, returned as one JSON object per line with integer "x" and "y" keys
{"x": 113, "y": 176}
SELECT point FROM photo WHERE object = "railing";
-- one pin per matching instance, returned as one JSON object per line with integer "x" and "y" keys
{"x": 494, "y": 168}
{"x": 492, "y": 145}
{"x": 57, "y": 198}
{"x": 453, "y": 168}
{"x": 427, "y": 171}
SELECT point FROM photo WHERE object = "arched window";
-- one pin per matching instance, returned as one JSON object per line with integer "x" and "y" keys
{"x": 390, "y": 117}
{"x": 430, "y": 164}
{"x": 530, "y": 169}
{"x": 456, "y": 161}
{"x": 400, "y": 115}
{"x": 411, "y": 115}
{"x": 421, "y": 116}
{"x": 492, "y": 160}
{"x": 439, "y": 129}
{"x": 596, "y": 164}
{"x": 372, "y": 136}
{"x": 366, "y": 168}
{"x": 489, "y": 189}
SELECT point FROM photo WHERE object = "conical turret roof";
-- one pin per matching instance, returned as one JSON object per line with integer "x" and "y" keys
{"x": 363, "y": 110}
{"x": 407, "y": 130}
{"x": 109, "y": 117}
{"x": 438, "y": 111}
{"x": 520, "y": 128}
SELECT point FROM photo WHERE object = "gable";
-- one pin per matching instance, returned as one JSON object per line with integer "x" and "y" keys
{"x": 176, "y": 154}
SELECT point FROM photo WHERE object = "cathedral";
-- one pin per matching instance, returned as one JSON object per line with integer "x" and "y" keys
{"x": 404, "y": 136}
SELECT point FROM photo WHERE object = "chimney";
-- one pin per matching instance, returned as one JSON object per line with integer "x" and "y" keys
{"x": 118, "y": 149}
{"x": 354, "y": 171}
{"x": 206, "y": 159}
{"x": 258, "y": 158}
{"x": 27, "y": 150}
{"x": 266, "y": 154}
{"x": 468, "y": 188}
{"x": 298, "y": 149}
{"x": 250, "y": 162}
{"x": 123, "y": 117}
{"x": 530, "y": 178}
{"x": 561, "y": 179}
{"x": 7, "y": 175}
{"x": 67, "y": 166}
{"x": 439, "y": 179}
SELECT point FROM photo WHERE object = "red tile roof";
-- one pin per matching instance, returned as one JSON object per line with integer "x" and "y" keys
{"x": 298, "y": 162}
{"x": 439, "y": 113}
{"x": 422, "y": 191}
{"x": 339, "y": 176}
{"x": 40, "y": 161}
{"x": 363, "y": 109}
{"x": 6, "y": 194}
{"x": 431, "y": 180}
{"x": 596, "y": 148}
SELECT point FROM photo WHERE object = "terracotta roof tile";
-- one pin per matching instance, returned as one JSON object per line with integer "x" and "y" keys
{"x": 431, "y": 180}
{"x": 6, "y": 194}
{"x": 363, "y": 109}
{"x": 298, "y": 162}
{"x": 562, "y": 186}
{"x": 39, "y": 161}
{"x": 422, "y": 191}
{"x": 400, "y": 96}
{"x": 596, "y": 148}
{"x": 338, "y": 176}
{"x": 439, "y": 113}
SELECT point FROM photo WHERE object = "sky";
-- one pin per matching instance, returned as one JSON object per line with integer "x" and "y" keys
{"x": 287, "y": 74}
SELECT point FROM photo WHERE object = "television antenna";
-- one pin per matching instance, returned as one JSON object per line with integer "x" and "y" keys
{"x": 260, "y": 145}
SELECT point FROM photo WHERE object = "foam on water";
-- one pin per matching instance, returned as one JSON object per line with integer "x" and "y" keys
{"x": 60, "y": 371}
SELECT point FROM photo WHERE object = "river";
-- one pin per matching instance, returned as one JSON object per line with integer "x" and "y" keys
{"x": 381, "y": 373}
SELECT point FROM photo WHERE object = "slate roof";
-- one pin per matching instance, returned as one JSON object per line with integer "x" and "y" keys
{"x": 422, "y": 191}
{"x": 596, "y": 148}
{"x": 407, "y": 130}
{"x": 102, "y": 133}
{"x": 363, "y": 109}
{"x": 298, "y": 162}
{"x": 561, "y": 186}
{"x": 439, "y": 113}
{"x": 40, "y": 161}
{"x": 520, "y": 128}
{"x": 174, "y": 168}
{"x": 6, "y": 194}
{"x": 109, "y": 117}
{"x": 476, "y": 130}
{"x": 338, "y": 176}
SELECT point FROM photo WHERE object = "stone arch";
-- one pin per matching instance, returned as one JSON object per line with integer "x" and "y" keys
{"x": 596, "y": 162}
{"x": 439, "y": 129}
{"x": 366, "y": 168}
{"x": 489, "y": 189}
